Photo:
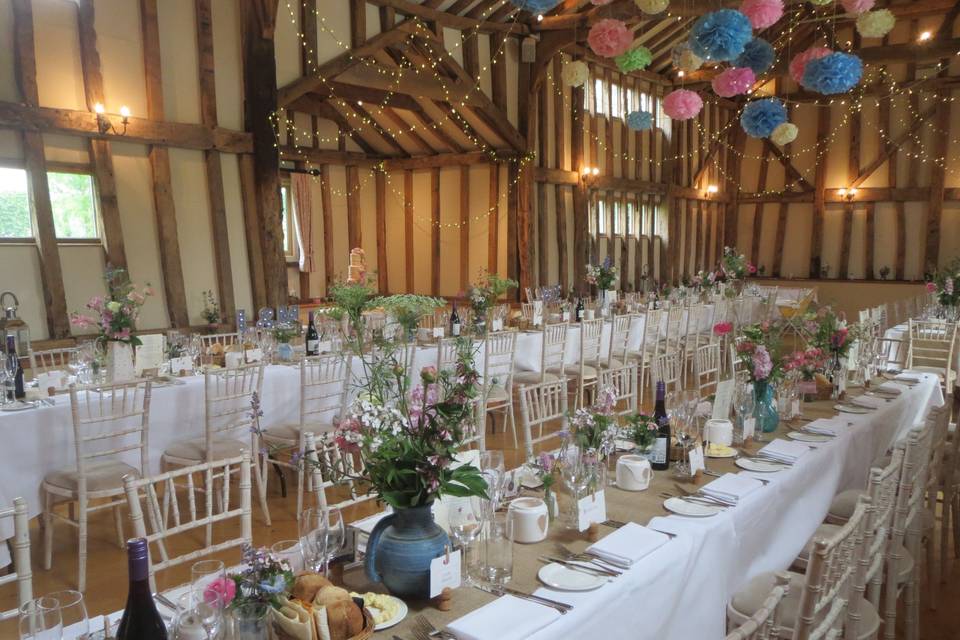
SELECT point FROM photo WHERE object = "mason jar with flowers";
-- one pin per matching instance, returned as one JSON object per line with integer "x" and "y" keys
{"x": 114, "y": 316}
{"x": 642, "y": 430}
{"x": 588, "y": 443}
{"x": 735, "y": 267}
{"x": 604, "y": 277}
{"x": 757, "y": 351}
{"x": 483, "y": 294}
{"x": 832, "y": 336}
{"x": 945, "y": 287}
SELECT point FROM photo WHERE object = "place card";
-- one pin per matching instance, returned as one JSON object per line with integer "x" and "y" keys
{"x": 149, "y": 354}
{"x": 696, "y": 460}
{"x": 565, "y": 316}
{"x": 722, "y": 400}
{"x": 254, "y": 355}
{"x": 537, "y": 319}
{"x": 438, "y": 332}
{"x": 233, "y": 359}
{"x": 749, "y": 426}
{"x": 590, "y": 509}
{"x": 178, "y": 365}
{"x": 497, "y": 324}
{"x": 56, "y": 380}
{"x": 795, "y": 407}
{"x": 325, "y": 346}
{"x": 444, "y": 572}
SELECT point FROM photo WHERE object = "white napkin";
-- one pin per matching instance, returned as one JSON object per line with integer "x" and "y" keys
{"x": 506, "y": 618}
{"x": 628, "y": 544}
{"x": 890, "y": 388}
{"x": 905, "y": 377}
{"x": 731, "y": 487}
{"x": 823, "y": 427}
{"x": 866, "y": 402}
{"x": 786, "y": 450}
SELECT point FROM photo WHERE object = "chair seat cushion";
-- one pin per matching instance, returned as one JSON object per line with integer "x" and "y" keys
{"x": 197, "y": 449}
{"x": 749, "y": 600}
{"x": 497, "y": 395}
{"x": 102, "y": 476}
{"x": 843, "y": 505}
{"x": 823, "y": 531}
{"x": 534, "y": 377}
{"x": 614, "y": 363}
{"x": 291, "y": 432}
{"x": 574, "y": 371}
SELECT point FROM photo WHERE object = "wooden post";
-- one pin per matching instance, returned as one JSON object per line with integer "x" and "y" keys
{"x": 383, "y": 282}
{"x": 464, "y": 227}
{"x": 541, "y": 189}
{"x": 435, "y": 231}
{"x": 937, "y": 181}
{"x": 354, "y": 224}
{"x": 758, "y": 209}
{"x": 260, "y": 84}
{"x": 493, "y": 219}
{"x": 559, "y": 116}
{"x": 408, "y": 229}
{"x": 581, "y": 204}
{"x": 819, "y": 188}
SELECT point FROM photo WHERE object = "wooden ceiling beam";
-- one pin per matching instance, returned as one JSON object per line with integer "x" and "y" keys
{"x": 451, "y": 20}
{"x": 411, "y": 83}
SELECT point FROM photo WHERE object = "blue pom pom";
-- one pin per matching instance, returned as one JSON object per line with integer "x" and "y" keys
{"x": 758, "y": 55}
{"x": 836, "y": 73}
{"x": 720, "y": 35}
{"x": 535, "y": 6}
{"x": 640, "y": 120}
{"x": 761, "y": 117}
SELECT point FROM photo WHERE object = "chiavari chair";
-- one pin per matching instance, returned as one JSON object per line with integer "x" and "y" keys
{"x": 583, "y": 373}
{"x": 21, "y": 572}
{"x": 650, "y": 345}
{"x": 619, "y": 341}
{"x": 224, "y": 339}
{"x": 764, "y": 624}
{"x": 553, "y": 349}
{"x": 540, "y": 405}
{"x": 931, "y": 348}
{"x": 50, "y": 360}
{"x": 706, "y": 368}
{"x": 623, "y": 382}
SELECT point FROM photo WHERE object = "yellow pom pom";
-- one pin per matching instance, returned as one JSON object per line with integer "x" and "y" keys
{"x": 652, "y": 7}
{"x": 575, "y": 73}
{"x": 876, "y": 24}
{"x": 685, "y": 59}
{"x": 784, "y": 134}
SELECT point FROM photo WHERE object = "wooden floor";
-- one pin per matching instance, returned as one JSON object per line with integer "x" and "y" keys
{"x": 107, "y": 573}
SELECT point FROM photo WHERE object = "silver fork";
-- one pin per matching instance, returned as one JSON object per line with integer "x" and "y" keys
{"x": 569, "y": 554}
{"x": 422, "y": 624}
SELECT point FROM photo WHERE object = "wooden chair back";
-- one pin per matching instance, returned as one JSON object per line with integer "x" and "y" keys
{"x": 541, "y": 404}
{"x": 21, "y": 572}
{"x": 623, "y": 381}
{"x": 228, "y": 396}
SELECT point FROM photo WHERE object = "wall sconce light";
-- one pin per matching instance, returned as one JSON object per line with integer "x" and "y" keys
{"x": 713, "y": 189}
{"x": 103, "y": 122}
{"x": 539, "y": 17}
{"x": 925, "y": 36}
{"x": 848, "y": 194}
{"x": 595, "y": 171}
{"x": 680, "y": 73}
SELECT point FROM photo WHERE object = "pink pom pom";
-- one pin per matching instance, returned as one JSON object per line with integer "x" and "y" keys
{"x": 609, "y": 38}
{"x": 857, "y": 6}
{"x": 762, "y": 13}
{"x": 682, "y": 104}
{"x": 799, "y": 62}
{"x": 733, "y": 82}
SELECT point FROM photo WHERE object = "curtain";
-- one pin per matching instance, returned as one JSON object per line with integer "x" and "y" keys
{"x": 303, "y": 204}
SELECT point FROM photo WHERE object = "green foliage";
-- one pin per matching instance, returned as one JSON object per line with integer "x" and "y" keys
{"x": 74, "y": 212}
{"x": 408, "y": 308}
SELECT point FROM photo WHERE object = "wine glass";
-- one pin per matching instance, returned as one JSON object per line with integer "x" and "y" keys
{"x": 464, "y": 517}
{"x": 323, "y": 533}
{"x": 195, "y": 349}
{"x": 491, "y": 465}
{"x": 40, "y": 620}
{"x": 73, "y": 613}
{"x": 199, "y": 614}
{"x": 205, "y": 573}
{"x": 291, "y": 551}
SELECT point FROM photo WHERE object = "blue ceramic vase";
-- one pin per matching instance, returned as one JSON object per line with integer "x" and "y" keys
{"x": 400, "y": 550}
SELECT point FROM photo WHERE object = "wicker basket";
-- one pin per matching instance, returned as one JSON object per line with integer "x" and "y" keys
{"x": 369, "y": 626}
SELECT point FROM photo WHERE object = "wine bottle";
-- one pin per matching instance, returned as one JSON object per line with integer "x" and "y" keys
{"x": 140, "y": 620}
{"x": 313, "y": 338}
{"x": 14, "y": 360}
{"x": 579, "y": 310}
{"x": 660, "y": 457}
{"x": 454, "y": 322}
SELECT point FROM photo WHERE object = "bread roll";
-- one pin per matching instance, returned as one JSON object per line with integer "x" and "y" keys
{"x": 344, "y": 619}
{"x": 307, "y": 585}
{"x": 329, "y": 595}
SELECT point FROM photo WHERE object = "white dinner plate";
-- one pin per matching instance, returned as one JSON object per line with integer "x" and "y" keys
{"x": 401, "y": 614}
{"x": 846, "y": 408}
{"x": 19, "y": 405}
{"x": 691, "y": 509}
{"x": 557, "y": 576}
{"x": 802, "y": 436}
{"x": 751, "y": 464}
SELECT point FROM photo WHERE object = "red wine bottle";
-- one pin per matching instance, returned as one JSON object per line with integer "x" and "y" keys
{"x": 313, "y": 338}
{"x": 660, "y": 457}
{"x": 14, "y": 358}
{"x": 455, "y": 325}
{"x": 140, "y": 620}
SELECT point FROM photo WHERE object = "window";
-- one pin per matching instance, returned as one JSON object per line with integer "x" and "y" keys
{"x": 15, "y": 221}
{"x": 631, "y": 226}
{"x": 601, "y": 218}
{"x": 616, "y": 104}
{"x": 599, "y": 97}
{"x": 617, "y": 218}
{"x": 74, "y": 205}
{"x": 72, "y": 199}
{"x": 287, "y": 221}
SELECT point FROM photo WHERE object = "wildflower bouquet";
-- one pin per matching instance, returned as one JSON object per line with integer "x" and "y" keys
{"x": 116, "y": 313}
{"x": 946, "y": 285}
{"x": 830, "y": 332}
{"x": 484, "y": 294}
{"x": 735, "y": 266}
{"x": 593, "y": 428}
{"x": 758, "y": 352}
{"x": 604, "y": 275}
{"x": 263, "y": 579}
{"x": 408, "y": 308}
{"x": 211, "y": 310}
{"x": 806, "y": 362}
{"x": 643, "y": 430}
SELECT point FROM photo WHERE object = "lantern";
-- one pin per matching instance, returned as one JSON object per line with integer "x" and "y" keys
{"x": 12, "y": 325}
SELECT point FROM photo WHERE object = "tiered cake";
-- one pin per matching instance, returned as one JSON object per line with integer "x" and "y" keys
{"x": 358, "y": 267}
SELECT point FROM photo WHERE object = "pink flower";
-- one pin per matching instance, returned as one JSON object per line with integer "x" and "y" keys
{"x": 82, "y": 321}
{"x": 609, "y": 38}
{"x": 762, "y": 13}
{"x": 751, "y": 268}
{"x": 722, "y": 328}
{"x": 762, "y": 364}
{"x": 428, "y": 374}
{"x": 931, "y": 287}
{"x": 857, "y": 7}
{"x": 733, "y": 82}
{"x": 799, "y": 63}
{"x": 682, "y": 104}
{"x": 948, "y": 286}
{"x": 224, "y": 589}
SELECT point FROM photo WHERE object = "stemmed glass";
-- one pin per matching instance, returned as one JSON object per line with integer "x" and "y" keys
{"x": 744, "y": 408}
{"x": 73, "y": 613}
{"x": 40, "y": 620}
{"x": 195, "y": 349}
{"x": 491, "y": 465}
{"x": 10, "y": 371}
{"x": 322, "y": 532}
{"x": 465, "y": 519}
{"x": 291, "y": 551}
{"x": 199, "y": 614}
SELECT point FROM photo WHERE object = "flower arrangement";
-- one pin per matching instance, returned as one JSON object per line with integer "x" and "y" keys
{"x": 735, "y": 266}
{"x": 484, "y": 294}
{"x": 806, "y": 362}
{"x": 263, "y": 579}
{"x": 350, "y": 300}
{"x": 946, "y": 285}
{"x": 592, "y": 428}
{"x": 604, "y": 275}
{"x": 758, "y": 352}
{"x": 545, "y": 466}
{"x": 408, "y": 308}
{"x": 211, "y": 310}
{"x": 117, "y": 312}
{"x": 721, "y": 329}
{"x": 406, "y": 440}
{"x": 642, "y": 430}
{"x": 830, "y": 332}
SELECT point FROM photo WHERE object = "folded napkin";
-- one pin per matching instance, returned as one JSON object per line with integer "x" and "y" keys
{"x": 731, "y": 487}
{"x": 908, "y": 377}
{"x": 628, "y": 544}
{"x": 890, "y": 389}
{"x": 866, "y": 401}
{"x": 506, "y": 618}
{"x": 823, "y": 427}
{"x": 786, "y": 450}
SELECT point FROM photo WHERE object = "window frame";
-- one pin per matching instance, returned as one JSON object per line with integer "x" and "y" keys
{"x": 291, "y": 249}
{"x": 86, "y": 170}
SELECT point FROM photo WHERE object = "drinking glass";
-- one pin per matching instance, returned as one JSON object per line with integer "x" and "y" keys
{"x": 205, "y": 573}
{"x": 322, "y": 532}
{"x": 251, "y": 621}
{"x": 195, "y": 349}
{"x": 491, "y": 465}
{"x": 40, "y": 620}
{"x": 465, "y": 518}
{"x": 10, "y": 369}
{"x": 291, "y": 551}
{"x": 497, "y": 541}
{"x": 199, "y": 614}
{"x": 73, "y": 612}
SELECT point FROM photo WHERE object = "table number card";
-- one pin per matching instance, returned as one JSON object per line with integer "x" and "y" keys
{"x": 723, "y": 400}
{"x": 254, "y": 355}
{"x": 497, "y": 324}
{"x": 590, "y": 509}
{"x": 438, "y": 332}
{"x": 149, "y": 354}
{"x": 177, "y": 365}
{"x": 233, "y": 359}
{"x": 697, "y": 462}
{"x": 444, "y": 572}
{"x": 749, "y": 426}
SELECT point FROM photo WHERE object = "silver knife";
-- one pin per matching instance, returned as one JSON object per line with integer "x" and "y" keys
{"x": 499, "y": 591}
{"x": 594, "y": 570}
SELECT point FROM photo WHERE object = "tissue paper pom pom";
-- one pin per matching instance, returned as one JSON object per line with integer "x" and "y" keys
{"x": 575, "y": 73}
{"x": 784, "y": 133}
{"x": 682, "y": 104}
{"x": 640, "y": 120}
{"x": 609, "y": 38}
{"x": 535, "y": 6}
{"x": 757, "y": 55}
{"x": 762, "y": 13}
{"x": 799, "y": 62}
{"x": 634, "y": 60}
{"x": 733, "y": 82}
{"x": 876, "y": 24}
{"x": 836, "y": 73}
{"x": 857, "y": 6}
{"x": 685, "y": 59}
{"x": 652, "y": 7}
{"x": 761, "y": 117}
{"x": 720, "y": 35}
